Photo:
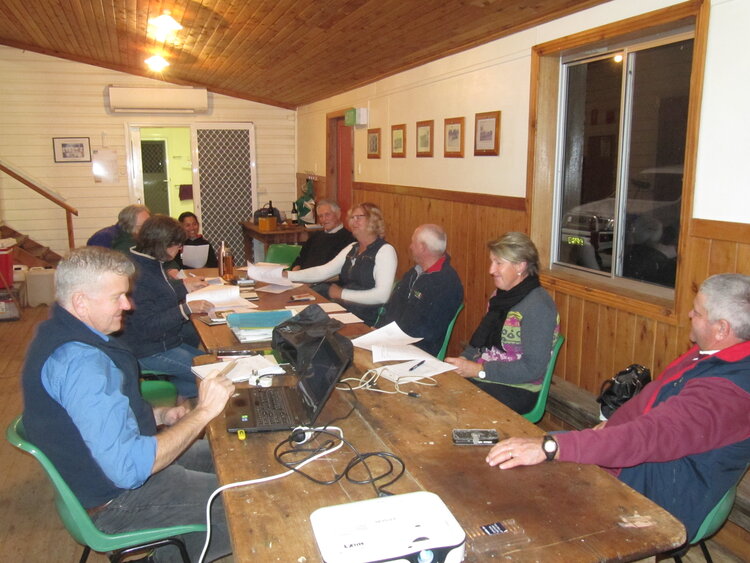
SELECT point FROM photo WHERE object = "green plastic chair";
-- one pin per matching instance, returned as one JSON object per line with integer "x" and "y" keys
{"x": 444, "y": 348}
{"x": 78, "y": 523}
{"x": 711, "y": 523}
{"x": 536, "y": 414}
{"x": 158, "y": 393}
{"x": 283, "y": 253}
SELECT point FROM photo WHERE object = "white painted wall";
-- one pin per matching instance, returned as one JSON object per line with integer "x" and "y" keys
{"x": 43, "y": 97}
{"x": 496, "y": 76}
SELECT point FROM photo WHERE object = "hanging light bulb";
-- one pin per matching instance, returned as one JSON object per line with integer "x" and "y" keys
{"x": 157, "y": 63}
{"x": 163, "y": 27}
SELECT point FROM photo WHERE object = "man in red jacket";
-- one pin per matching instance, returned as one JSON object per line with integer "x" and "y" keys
{"x": 685, "y": 439}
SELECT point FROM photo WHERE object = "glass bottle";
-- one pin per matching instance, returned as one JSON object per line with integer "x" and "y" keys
{"x": 227, "y": 263}
{"x": 295, "y": 215}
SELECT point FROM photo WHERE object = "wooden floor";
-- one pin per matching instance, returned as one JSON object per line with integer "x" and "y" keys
{"x": 30, "y": 530}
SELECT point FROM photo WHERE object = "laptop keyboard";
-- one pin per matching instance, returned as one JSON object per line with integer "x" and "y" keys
{"x": 272, "y": 408}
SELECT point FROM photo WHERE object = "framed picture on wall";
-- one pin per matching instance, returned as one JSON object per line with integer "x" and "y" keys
{"x": 487, "y": 134}
{"x": 453, "y": 140}
{"x": 398, "y": 141}
{"x": 373, "y": 143}
{"x": 425, "y": 137}
{"x": 71, "y": 149}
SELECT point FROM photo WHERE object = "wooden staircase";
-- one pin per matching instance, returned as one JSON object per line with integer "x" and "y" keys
{"x": 28, "y": 251}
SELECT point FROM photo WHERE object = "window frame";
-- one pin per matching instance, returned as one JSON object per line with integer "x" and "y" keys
{"x": 543, "y": 135}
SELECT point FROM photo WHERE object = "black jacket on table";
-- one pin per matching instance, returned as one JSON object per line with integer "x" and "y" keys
{"x": 423, "y": 303}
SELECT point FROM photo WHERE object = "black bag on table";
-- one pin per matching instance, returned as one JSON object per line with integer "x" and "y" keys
{"x": 623, "y": 386}
{"x": 298, "y": 340}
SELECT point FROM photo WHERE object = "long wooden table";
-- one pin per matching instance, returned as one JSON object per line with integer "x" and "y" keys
{"x": 567, "y": 512}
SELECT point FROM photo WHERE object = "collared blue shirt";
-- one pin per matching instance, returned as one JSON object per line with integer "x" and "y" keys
{"x": 87, "y": 384}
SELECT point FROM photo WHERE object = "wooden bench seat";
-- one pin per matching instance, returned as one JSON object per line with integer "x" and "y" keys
{"x": 578, "y": 408}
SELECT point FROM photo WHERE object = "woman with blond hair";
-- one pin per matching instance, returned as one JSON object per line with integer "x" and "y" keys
{"x": 366, "y": 267}
{"x": 508, "y": 353}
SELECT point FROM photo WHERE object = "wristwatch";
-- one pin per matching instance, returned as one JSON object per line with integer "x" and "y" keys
{"x": 482, "y": 374}
{"x": 549, "y": 445}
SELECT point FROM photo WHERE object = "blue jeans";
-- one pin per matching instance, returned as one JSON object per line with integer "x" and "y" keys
{"x": 177, "y": 363}
{"x": 174, "y": 496}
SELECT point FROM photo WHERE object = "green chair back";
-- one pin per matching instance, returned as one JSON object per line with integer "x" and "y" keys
{"x": 158, "y": 393}
{"x": 448, "y": 332}
{"x": 75, "y": 518}
{"x": 536, "y": 414}
{"x": 283, "y": 253}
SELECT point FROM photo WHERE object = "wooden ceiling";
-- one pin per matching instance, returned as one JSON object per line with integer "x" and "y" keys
{"x": 281, "y": 52}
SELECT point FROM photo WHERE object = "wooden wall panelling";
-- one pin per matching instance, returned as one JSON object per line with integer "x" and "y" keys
{"x": 624, "y": 339}
{"x": 470, "y": 220}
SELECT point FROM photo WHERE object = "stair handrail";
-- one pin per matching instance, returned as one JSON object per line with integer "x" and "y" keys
{"x": 57, "y": 200}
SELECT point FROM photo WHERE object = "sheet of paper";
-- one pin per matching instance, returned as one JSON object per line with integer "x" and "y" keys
{"x": 273, "y": 288}
{"x": 391, "y": 334}
{"x": 244, "y": 368}
{"x": 195, "y": 256}
{"x": 327, "y": 307}
{"x": 391, "y": 353}
{"x": 219, "y": 295}
{"x": 346, "y": 318}
{"x": 271, "y": 273}
{"x": 406, "y": 372}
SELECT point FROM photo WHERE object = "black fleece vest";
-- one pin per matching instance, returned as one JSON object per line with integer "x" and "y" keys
{"x": 48, "y": 425}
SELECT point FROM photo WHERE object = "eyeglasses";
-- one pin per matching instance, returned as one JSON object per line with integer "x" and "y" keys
{"x": 358, "y": 217}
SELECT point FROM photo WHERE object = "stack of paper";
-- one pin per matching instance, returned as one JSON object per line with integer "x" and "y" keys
{"x": 256, "y": 326}
{"x": 244, "y": 369}
{"x": 221, "y": 296}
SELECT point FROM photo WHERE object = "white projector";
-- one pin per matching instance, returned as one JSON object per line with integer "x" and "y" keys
{"x": 409, "y": 528}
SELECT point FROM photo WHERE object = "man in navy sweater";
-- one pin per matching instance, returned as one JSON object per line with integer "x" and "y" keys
{"x": 83, "y": 409}
{"x": 684, "y": 440}
{"x": 426, "y": 299}
{"x": 324, "y": 245}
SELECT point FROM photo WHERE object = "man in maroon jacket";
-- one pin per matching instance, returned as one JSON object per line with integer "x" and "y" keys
{"x": 685, "y": 439}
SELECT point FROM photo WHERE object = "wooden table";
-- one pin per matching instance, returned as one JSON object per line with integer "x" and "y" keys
{"x": 567, "y": 512}
{"x": 290, "y": 234}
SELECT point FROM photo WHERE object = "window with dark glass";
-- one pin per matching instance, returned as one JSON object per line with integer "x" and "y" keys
{"x": 621, "y": 160}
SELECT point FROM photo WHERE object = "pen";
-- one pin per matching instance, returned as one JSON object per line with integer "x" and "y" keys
{"x": 415, "y": 366}
{"x": 191, "y": 274}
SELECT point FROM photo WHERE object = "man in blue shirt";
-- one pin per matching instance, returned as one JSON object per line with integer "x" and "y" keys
{"x": 82, "y": 407}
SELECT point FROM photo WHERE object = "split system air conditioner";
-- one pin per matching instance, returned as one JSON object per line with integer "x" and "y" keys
{"x": 157, "y": 100}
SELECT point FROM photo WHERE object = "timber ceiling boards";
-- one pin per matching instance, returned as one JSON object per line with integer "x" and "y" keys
{"x": 281, "y": 52}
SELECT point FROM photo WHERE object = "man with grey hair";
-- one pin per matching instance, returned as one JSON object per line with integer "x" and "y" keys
{"x": 426, "y": 299}
{"x": 129, "y": 220}
{"x": 83, "y": 409}
{"x": 684, "y": 440}
{"x": 324, "y": 245}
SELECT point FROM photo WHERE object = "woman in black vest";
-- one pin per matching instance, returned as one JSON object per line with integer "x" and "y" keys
{"x": 366, "y": 268}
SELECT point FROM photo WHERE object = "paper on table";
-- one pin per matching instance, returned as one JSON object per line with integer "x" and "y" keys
{"x": 269, "y": 274}
{"x": 219, "y": 295}
{"x": 244, "y": 368}
{"x": 403, "y": 373}
{"x": 327, "y": 307}
{"x": 273, "y": 288}
{"x": 388, "y": 353}
{"x": 391, "y": 334}
{"x": 346, "y": 318}
{"x": 195, "y": 256}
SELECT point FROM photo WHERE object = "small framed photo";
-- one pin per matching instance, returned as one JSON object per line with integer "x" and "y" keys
{"x": 373, "y": 143}
{"x": 398, "y": 141}
{"x": 425, "y": 137}
{"x": 453, "y": 141}
{"x": 487, "y": 134}
{"x": 72, "y": 149}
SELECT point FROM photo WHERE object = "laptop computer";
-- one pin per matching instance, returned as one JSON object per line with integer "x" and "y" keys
{"x": 265, "y": 409}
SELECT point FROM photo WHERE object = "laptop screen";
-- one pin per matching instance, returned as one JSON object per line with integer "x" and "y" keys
{"x": 317, "y": 381}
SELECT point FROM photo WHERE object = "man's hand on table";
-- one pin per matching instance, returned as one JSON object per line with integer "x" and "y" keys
{"x": 214, "y": 391}
{"x": 513, "y": 452}
{"x": 200, "y": 306}
{"x": 334, "y": 291}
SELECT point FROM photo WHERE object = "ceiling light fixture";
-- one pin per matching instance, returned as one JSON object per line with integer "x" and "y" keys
{"x": 164, "y": 26}
{"x": 157, "y": 63}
